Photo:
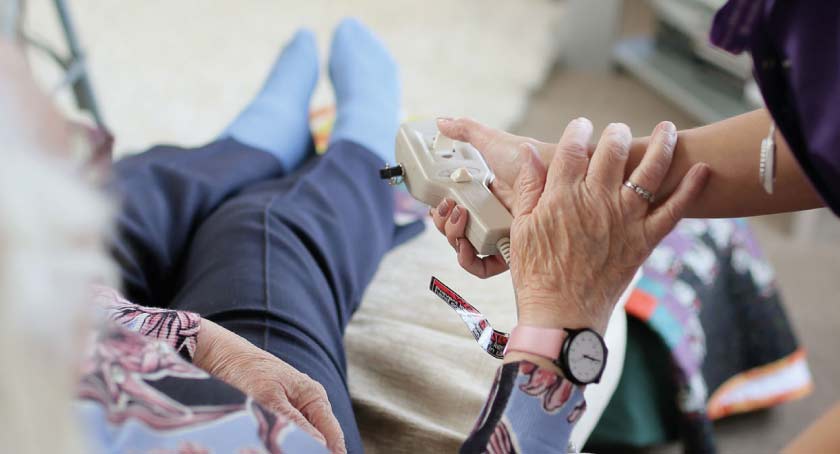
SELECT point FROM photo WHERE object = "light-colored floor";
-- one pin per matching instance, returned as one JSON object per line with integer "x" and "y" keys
{"x": 808, "y": 271}
{"x": 177, "y": 72}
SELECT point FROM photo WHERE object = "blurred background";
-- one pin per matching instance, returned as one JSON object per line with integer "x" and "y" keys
{"x": 175, "y": 72}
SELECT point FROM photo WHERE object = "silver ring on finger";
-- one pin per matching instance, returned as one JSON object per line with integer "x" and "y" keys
{"x": 642, "y": 192}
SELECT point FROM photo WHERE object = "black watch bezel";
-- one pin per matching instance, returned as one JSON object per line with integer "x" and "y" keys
{"x": 563, "y": 361}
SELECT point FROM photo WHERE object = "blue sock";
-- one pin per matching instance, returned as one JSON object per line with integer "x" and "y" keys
{"x": 277, "y": 120}
{"x": 367, "y": 89}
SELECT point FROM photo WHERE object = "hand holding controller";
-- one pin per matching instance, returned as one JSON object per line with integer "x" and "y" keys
{"x": 435, "y": 167}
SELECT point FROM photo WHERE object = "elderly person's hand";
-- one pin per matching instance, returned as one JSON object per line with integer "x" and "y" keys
{"x": 271, "y": 381}
{"x": 579, "y": 234}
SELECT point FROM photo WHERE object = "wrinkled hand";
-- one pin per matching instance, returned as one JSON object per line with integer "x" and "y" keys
{"x": 270, "y": 381}
{"x": 501, "y": 150}
{"x": 578, "y": 234}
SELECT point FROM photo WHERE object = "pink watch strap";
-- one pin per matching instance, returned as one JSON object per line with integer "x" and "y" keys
{"x": 545, "y": 342}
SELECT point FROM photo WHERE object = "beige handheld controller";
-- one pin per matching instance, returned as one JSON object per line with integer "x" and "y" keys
{"x": 435, "y": 167}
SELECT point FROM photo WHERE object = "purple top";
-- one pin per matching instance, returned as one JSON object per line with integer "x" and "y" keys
{"x": 795, "y": 47}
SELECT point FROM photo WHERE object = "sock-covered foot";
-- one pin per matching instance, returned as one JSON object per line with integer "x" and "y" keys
{"x": 367, "y": 89}
{"x": 277, "y": 120}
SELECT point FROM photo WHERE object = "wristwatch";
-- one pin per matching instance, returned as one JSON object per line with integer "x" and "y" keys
{"x": 580, "y": 353}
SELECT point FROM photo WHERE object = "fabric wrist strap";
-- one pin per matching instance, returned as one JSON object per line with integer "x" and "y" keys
{"x": 490, "y": 340}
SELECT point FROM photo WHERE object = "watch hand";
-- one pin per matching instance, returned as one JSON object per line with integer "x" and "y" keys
{"x": 592, "y": 359}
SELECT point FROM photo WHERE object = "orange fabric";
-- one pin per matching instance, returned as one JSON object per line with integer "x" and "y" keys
{"x": 717, "y": 410}
{"x": 640, "y": 305}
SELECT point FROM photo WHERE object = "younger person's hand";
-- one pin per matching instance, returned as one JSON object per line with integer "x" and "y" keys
{"x": 501, "y": 150}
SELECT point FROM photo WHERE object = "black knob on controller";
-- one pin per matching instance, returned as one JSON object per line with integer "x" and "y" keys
{"x": 391, "y": 172}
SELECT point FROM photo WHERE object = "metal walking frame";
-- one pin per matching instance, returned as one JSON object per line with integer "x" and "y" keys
{"x": 74, "y": 64}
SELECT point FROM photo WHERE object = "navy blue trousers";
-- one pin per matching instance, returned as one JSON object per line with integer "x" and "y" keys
{"x": 280, "y": 259}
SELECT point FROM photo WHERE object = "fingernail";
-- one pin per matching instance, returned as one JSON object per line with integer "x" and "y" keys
{"x": 616, "y": 126}
{"x": 430, "y": 212}
{"x": 611, "y": 129}
{"x": 444, "y": 119}
{"x": 667, "y": 129}
{"x": 443, "y": 208}
{"x": 456, "y": 214}
{"x": 578, "y": 131}
{"x": 458, "y": 245}
{"x": 620, "y": 133}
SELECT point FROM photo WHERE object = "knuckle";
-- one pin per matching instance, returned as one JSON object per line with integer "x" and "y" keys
{"x": 616, "y": 145}
{"x": 647, "y": 174}
{"x": 312, "y": 394}
{"x": 574, "y": 149}
{"x": 657, "y": 169}
{"x": 464, "y": 261}
{"x": 672, "y": 213}
{"x": 463, "y": 127}
{"x": 320, "y": 392}
{"x": 451, "y": 233}
{"x": 469, "y": 123}
{"x": 305, "y": 382}
{"x": 468, "y": 264}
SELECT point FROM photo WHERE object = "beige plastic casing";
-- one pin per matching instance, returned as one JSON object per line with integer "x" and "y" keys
{"x": 429, "y": 159}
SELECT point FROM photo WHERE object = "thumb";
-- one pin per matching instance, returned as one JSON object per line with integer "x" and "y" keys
{"x": 530, "y": 182}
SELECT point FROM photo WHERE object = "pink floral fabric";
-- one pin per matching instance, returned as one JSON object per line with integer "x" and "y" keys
{"x": 178, "y": 329}
{"x": 138, "y": 394}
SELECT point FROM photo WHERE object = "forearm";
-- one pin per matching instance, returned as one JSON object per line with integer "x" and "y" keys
{"x": 228, "y": 356}
{"x": 731, "y": 148}
{"x": 821, "y": 436}
{"x": 208, "y": 345}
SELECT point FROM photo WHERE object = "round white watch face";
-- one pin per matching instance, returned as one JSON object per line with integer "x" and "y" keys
{"x": 585, "y": 356}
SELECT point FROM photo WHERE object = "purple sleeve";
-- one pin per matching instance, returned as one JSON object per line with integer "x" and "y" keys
{"x": 529, "y": 410}
{"x": 178, "y": 329}
{"x": 807, "y": 38}
{"x": 795, "y": 48}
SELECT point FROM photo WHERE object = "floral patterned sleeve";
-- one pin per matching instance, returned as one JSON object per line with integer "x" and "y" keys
{"x": 178, "y": 329}
{"x": 529, "y": 410}
{"x": 137, "y": 395}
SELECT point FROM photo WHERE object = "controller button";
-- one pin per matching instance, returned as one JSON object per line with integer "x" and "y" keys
{"x": 461, "y": 175}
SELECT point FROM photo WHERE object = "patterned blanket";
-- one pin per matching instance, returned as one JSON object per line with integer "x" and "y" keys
{"x": 711, "y": 297}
